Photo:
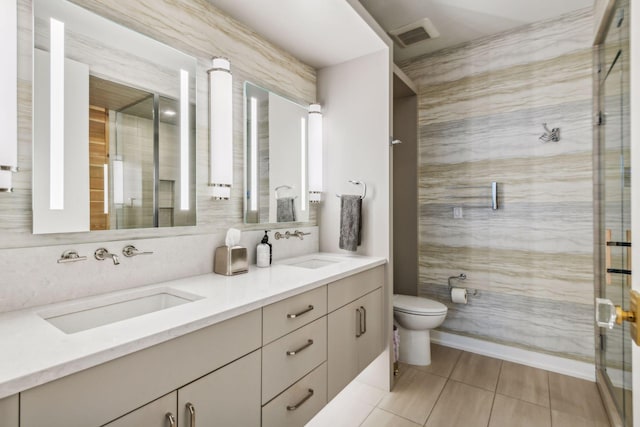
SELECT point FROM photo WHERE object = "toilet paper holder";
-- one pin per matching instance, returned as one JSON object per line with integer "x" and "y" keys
{"x": 462, "y": 276}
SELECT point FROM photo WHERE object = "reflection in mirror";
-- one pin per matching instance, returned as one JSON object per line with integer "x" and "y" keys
{"x": 275, "y": 158}
{"x": 139, "y": 130}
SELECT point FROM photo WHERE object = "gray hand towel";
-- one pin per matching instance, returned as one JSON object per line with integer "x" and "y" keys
{"x": 286, "y": 209}
{"x": 350, "y": 222}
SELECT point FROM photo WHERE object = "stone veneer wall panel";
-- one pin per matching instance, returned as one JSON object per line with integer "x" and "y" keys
{"x": 481, "y": 109}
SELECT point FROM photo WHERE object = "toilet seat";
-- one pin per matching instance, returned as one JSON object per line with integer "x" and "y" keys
{"x": 418, "y": 306}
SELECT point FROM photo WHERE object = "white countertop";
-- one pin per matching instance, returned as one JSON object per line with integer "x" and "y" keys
{"x": 34, "y": 352}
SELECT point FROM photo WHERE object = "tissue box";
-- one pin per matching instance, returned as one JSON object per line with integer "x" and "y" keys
{"x": 230, "y": 260}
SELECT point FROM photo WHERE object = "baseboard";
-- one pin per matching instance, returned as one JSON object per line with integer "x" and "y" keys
{"x": 560, "y": 365}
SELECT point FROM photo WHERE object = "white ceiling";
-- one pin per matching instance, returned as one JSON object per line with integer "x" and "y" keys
{"x": 334, "y": 32}
{"x": 459, "y": 21}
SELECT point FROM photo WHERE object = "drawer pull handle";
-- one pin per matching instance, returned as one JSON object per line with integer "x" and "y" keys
{"x": 172, "y": 420}
{"x": 299, "y": 404}
{"x": 364, "y": 321}
{"x": 192, "y": 414}
{"x": 294, "y": 352}
{"x": 306, "y": 310}
{"x": 358, "y": 323}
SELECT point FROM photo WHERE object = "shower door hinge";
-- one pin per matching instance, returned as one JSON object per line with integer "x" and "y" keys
{"x": 602, "y": 341}
{"x": 600, "y": 118}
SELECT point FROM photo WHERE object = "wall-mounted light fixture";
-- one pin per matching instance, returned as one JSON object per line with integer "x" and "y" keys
{"x": 56, "y": 121}
{"x": 315, "y": 153}
{"x": 118, "y": 180}
{"x": 303, "y": 163}
{"x": 8, "y": 94}
{"x": 105, "y": 177}
{"x": 253, "y": 153}
{"x": 184, "y": 140}
{"x": 220, "y": 129}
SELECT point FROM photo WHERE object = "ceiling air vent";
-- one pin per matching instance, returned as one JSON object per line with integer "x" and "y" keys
{"x": 414, "y": 33}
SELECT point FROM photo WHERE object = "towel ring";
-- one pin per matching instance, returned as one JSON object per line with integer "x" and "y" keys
{"x": 288, "y": 187}
{"x": 364, "y": 188}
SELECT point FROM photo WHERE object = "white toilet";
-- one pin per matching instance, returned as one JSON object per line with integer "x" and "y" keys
{"x": 415, "y": 317}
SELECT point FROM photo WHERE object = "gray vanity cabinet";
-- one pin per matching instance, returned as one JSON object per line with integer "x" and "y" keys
{"x": 228, "y": 397}
{"x": 354, "y": 325}
{"x": 355, "y": 339}
{"x": 155, "y": 414}
{"x": 271, "y": 367}
{"x": 107, "y": 392}
{"x": 9, "y": 410}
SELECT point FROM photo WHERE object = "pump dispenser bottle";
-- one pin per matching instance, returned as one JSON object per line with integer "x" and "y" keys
{"x": 264, "y": 252}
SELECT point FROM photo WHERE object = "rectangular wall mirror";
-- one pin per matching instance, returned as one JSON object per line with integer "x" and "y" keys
{"x": 114, "y": 125}
{"x": 276, "y": 136}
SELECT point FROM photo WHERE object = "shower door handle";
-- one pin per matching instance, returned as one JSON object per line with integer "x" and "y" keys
{"x": 614, "y": 314}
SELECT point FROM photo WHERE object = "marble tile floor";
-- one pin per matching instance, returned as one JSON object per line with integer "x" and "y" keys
{"x": 467, "y": 389}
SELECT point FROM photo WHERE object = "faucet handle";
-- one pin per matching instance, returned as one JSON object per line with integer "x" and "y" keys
{"x": 131, "y": 251}
{"x": 300, "y": 234}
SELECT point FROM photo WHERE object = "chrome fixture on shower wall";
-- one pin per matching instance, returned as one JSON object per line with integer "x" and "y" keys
{"x": 552, "y": 135}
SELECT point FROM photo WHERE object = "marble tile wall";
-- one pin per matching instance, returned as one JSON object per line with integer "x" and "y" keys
{"x": 200, "y": 30}
{"x": 481, "y": 109}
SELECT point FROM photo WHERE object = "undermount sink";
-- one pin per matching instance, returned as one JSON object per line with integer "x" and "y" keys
{"x": 106, "y": 310}
{"x": 313, "y": 262}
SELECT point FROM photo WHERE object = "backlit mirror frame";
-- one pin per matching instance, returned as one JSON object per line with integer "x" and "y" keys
{"x": 118, "y": 54}
{"x": 275, "y": 157}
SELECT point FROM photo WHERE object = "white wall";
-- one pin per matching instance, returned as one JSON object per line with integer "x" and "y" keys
{"x": 355, "y": 104}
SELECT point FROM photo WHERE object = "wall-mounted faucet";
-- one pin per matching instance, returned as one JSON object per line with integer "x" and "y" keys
{"x": 102, "y": 253}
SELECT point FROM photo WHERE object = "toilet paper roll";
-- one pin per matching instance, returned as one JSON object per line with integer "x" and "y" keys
{"x": 459, "y": 295}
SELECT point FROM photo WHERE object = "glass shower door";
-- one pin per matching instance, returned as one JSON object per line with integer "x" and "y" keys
{"x": 615, "y": 172}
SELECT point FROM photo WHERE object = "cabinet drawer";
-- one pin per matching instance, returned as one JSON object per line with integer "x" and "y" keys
{"x": 285, "y": 316}
{"x": 342, "y": 292}
{"x": 154, "y": 414}
{"x": 281, "y": 367}
{"x": 289, "y": 409}
{"x": 98, "y": 395}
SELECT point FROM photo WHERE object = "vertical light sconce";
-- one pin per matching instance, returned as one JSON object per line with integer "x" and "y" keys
{"x": 106, "y": 187}
{"x": 184, "y": 140}
{"x": 118, "y": 181}
{"x": 8, "y": 94}
{"x": 220, "y": 129}
{"x": 315, "y": 153}
{"x": 303, "y": 164}
{"x": 253, "y": 155}
{"x": 56, "y": 121}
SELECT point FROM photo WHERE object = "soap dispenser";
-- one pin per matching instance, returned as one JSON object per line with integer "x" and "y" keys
{"x": 264, "y": 252}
